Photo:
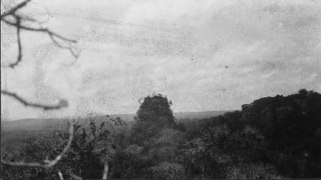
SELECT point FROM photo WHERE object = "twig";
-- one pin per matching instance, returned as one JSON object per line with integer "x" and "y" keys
{"x": 60, "y": 175}
{"x": 44, "y": 30}
{"x": 19, "y": 58}
{"x": 71, "y": 50}
{"x": 75, "y": 176}
{"x": 14, "y": 9}
{"x": 47, "y": 164}
{"x": 53, "y": 36}
{"x": 105, "y": 172}
{"x": 61, "y": 104}
{"x": 18, "y": 23}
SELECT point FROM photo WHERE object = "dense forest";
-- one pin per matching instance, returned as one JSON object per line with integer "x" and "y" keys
{"x": 271, "y": 138}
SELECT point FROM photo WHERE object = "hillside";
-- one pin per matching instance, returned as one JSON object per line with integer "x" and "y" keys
{"x": 53, "y": 124}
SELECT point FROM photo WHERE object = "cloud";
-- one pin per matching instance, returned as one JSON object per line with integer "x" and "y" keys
{"x": 212, "y": 55}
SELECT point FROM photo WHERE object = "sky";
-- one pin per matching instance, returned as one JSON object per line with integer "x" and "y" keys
{"x": 203, "y": 55}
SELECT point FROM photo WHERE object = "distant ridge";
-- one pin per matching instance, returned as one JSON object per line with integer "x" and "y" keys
{"x": 197, "y": 114}
{"x": 31, "y": 124}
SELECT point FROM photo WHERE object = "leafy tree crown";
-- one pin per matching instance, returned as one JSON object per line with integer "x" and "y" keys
{"x": 155, "y": 109}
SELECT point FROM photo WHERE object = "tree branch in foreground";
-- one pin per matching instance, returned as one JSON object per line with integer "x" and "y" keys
{"x": 14, "y": 9}
{"x": 47, "y": 163}
{"x": 75, "y": 176}
{"x": 19, "y": 58}
{"x": 18, "y": 23}
{"x": 61, "y": 104}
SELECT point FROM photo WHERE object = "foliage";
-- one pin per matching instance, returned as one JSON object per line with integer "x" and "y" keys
{"x": 252, "y": 171}
{"x": 168, "y": 170}
{"x": 291, "y": 126}
{"x": 272, "y": 137}
{"x": 36, "y": 149}
{"x": 92, "y": 146}
{"x": 155, "y": 110}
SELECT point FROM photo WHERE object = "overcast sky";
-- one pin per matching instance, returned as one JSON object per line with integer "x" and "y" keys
{"x": 203, "y": 55}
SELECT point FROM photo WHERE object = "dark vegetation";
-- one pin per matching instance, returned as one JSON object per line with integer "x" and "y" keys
{"x": 273, "y": 137}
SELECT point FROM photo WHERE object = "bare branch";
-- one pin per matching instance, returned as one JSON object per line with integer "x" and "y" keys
{"x": 53, "y": 36}
{"x": 75, "y": 176}
{"x": 14, "y": 9}
{"x": 18, "y": 23}
{"x": 23, "y": 22}
{"x": 19, "y": 58}
{"x": 105, "y": 172}
{"x": 25, "y": 18}
{"x": 61, "y": 104}
{"x": 60, "y": 175}
{"x": 67, "y": 147}
{"x": 47, "y": 163}
{"x": 44, "y": 30}
{"x": 71, "y": 50}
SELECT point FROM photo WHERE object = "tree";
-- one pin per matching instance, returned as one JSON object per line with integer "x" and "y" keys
{"x": 155, "y": 110}
{"x": 291, "y": 127}
{"x": 16, "y": 19}
{"x": 153, "y": 115}
{"x": 93, "y": 149}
